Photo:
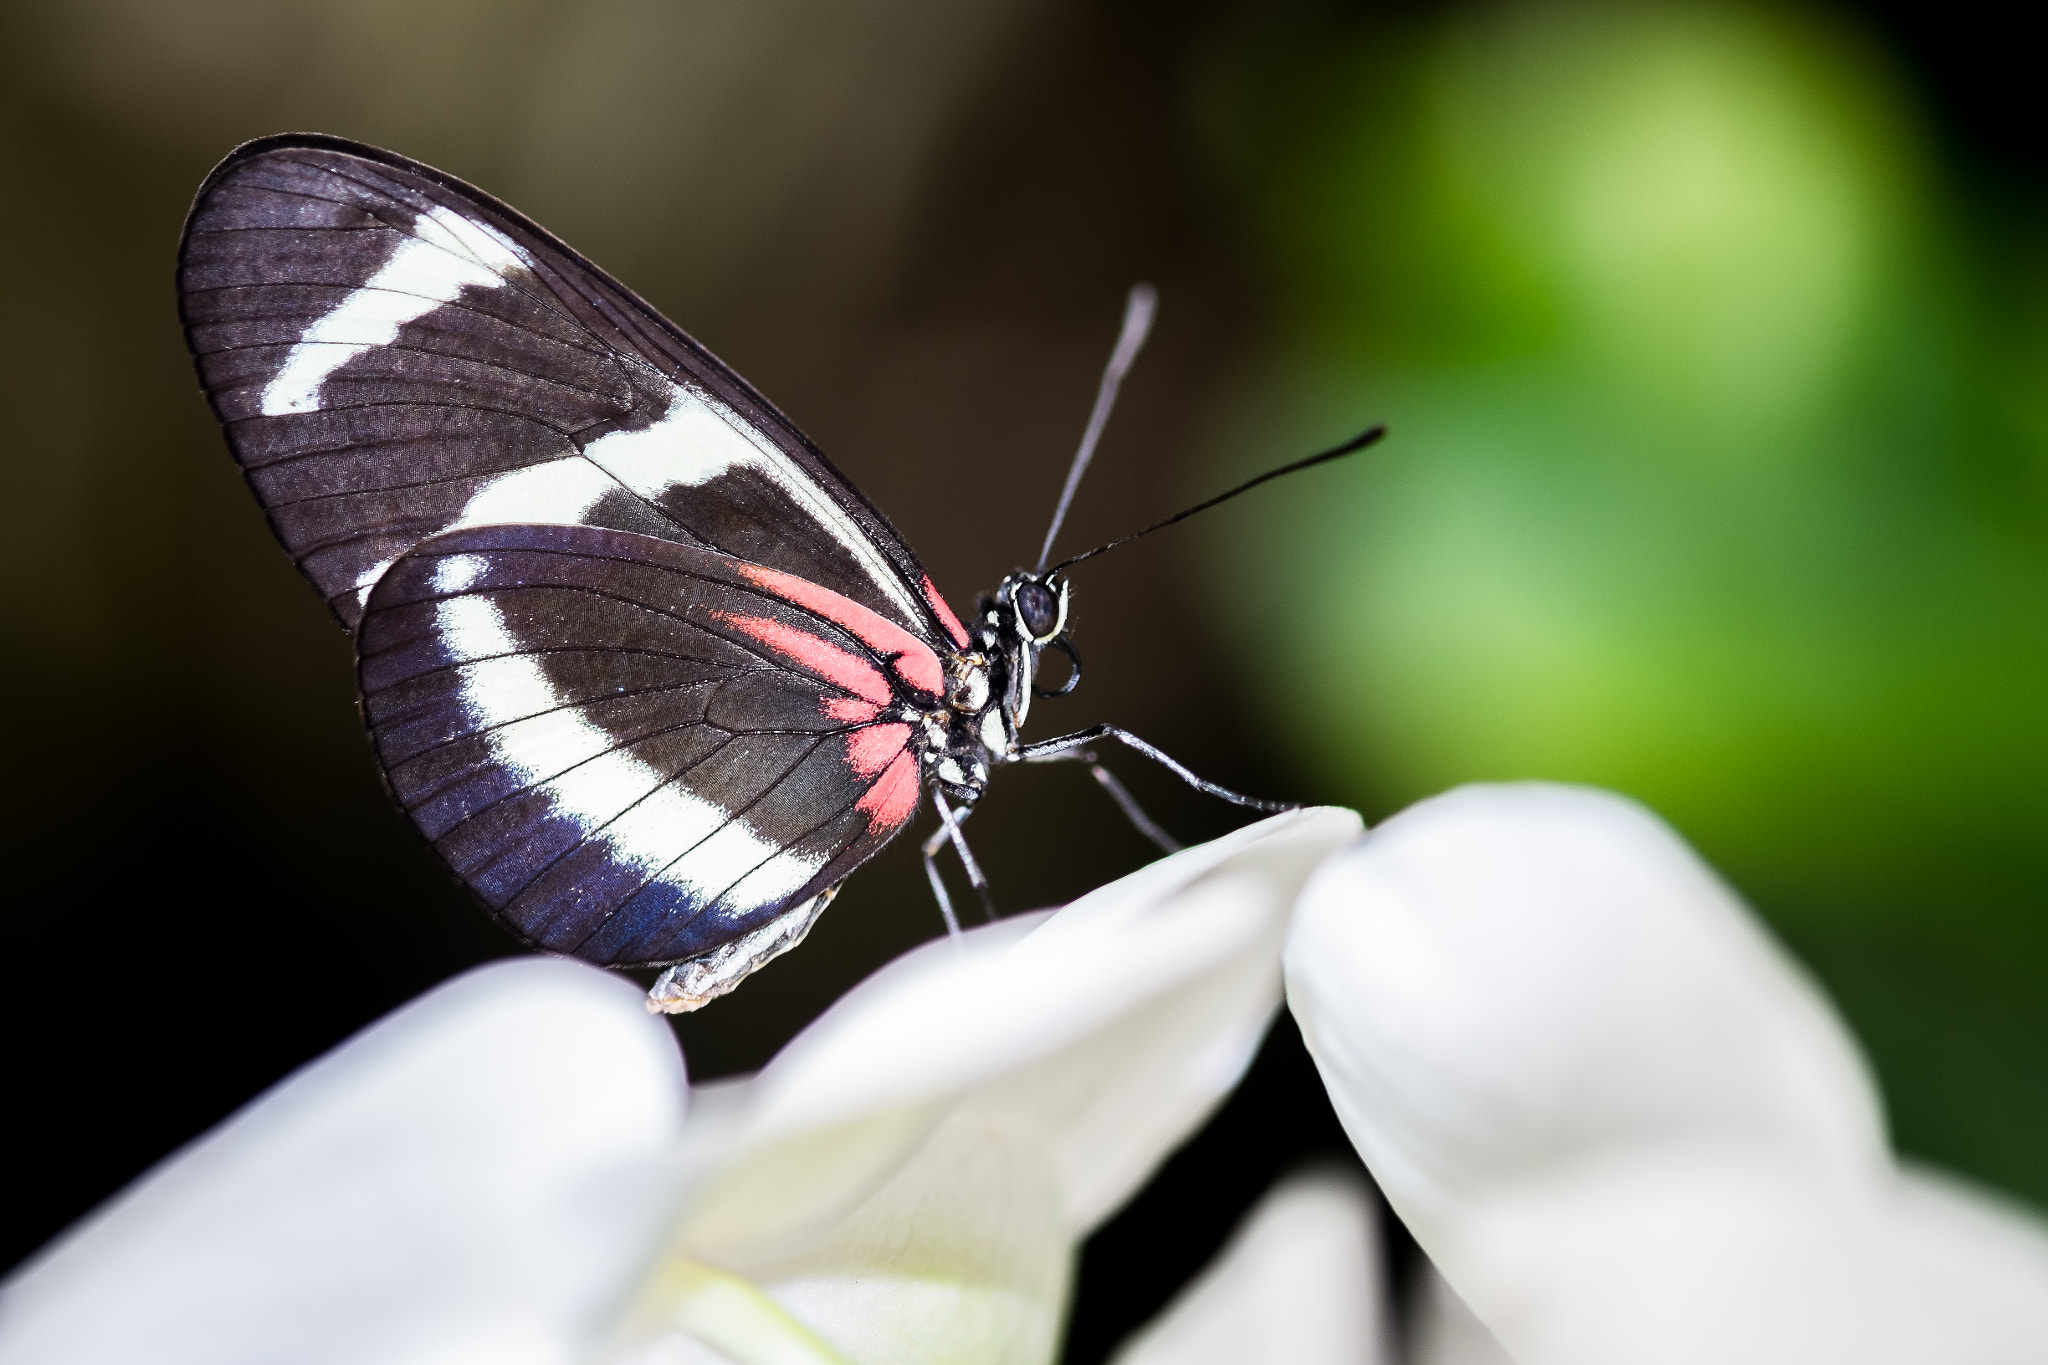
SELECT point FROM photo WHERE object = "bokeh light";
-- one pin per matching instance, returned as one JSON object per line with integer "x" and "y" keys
{"x": 1701, "y": 487}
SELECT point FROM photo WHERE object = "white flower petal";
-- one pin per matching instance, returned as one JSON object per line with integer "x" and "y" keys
{"x": 1114, "y": 1025}
{"x": 1444, "y": 1330}
{"x": 1508, "y": 977}
{"x": 1699, "y": 1256}
{"x": 1299, "y": 1284}
{"x": 921, "y": 1161}
{"x": 720, "y": 1319}
{"x": 1622, "y": 1123}
{"x": 473, "y": 1178}
{"x": 937, "y": 1021}
{"x": 959, "y": 1256}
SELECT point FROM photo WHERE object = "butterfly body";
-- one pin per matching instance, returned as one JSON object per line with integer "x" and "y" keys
{"x": 647, "y": 671}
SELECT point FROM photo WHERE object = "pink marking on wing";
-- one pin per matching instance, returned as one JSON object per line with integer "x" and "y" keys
{"x": 875, "y": 747}
{"x": 914, "y": 660}
{"x": 890, "y": 801}
{"x": 944, "y": 613}
{"x": 837, "y": 666}
{"x": 849, "y": 711}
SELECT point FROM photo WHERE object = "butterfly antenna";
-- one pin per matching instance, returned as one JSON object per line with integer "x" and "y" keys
{"x": 1138, "y": 310}
{"x": 1356, "y": 443}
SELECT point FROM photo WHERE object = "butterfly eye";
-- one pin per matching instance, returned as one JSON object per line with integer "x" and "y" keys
{"x": 1038, "y": 610}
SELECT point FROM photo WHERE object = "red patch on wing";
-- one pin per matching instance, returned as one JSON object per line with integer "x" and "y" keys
{"x": 944, "y": 613}
{"x": 848, "y": 711}
{"x": 914, "y": 659}
{"x": 890, "y": 801}
{"x": 847, "y": 671}
{"x": 874, "y": 747}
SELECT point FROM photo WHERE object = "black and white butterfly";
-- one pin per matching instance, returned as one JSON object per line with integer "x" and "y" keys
{"x": 643, "y": 667}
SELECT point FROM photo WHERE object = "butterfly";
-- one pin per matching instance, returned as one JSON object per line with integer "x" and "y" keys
{"x": 651, "y": 676}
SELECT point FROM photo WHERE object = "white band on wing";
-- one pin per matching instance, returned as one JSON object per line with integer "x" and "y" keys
{"x": 446, "y": 253}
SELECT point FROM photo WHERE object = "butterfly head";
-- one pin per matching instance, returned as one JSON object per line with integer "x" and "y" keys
{"x": 1027, "y": 613}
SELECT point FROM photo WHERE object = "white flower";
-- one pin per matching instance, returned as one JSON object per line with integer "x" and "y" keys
{"x": 1625, "y": 1127}
{"x": 1299, "y": 1284}
{"x": 504, "y": 1171}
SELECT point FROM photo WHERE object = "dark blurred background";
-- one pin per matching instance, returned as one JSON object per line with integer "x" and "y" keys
{"x": 1714, "y": 339}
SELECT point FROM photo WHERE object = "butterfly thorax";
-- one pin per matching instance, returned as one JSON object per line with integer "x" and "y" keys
{"x": 989, "y": 685}
{"x": 965, "y": 736}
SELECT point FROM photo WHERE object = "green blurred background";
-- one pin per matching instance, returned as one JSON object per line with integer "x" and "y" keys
{"x": 1720, "y": 478}
{"x": 1713, "y": 337}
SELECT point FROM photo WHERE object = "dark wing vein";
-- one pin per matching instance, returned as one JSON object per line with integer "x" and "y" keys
{"x": 652, "y": 877}
{"x": 432, "y": 749}
{"x": 874, "y": 656}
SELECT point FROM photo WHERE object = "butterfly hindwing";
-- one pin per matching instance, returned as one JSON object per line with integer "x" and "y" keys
{"x": 635, "y": 750}
{"x": 395, "y": 354}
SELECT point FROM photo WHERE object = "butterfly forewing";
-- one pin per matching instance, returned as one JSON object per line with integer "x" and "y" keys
{"x": 635, "y": 750}
{"x": 394, "y": 354}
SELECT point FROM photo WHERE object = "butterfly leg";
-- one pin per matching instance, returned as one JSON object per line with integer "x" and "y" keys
{"x": 1133, "y": 812}
{"x": 949, "y": 832}
{"x": 1120, "y": 794}
{"x": 1051, "y": 750}
{"x": 931, "y": 872}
